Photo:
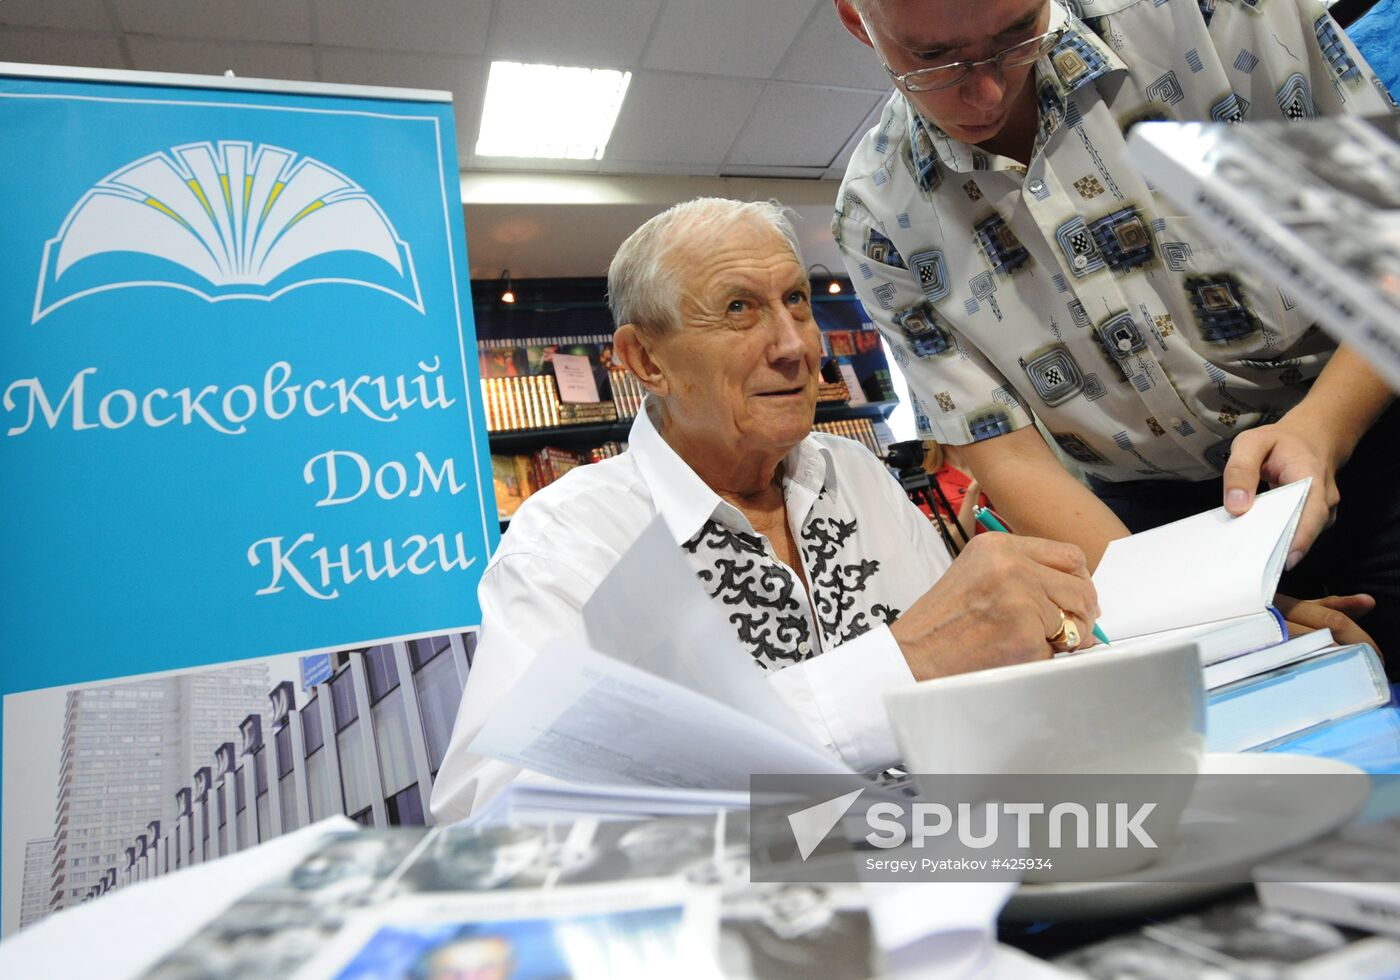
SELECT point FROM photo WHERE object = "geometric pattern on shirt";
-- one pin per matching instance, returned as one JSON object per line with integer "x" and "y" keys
{"x": 1055, "y": 375}
{"x": 737, "y": 571}
{"x": 923, "y": 159}
{"x": 930, "y": 268}
{"x": 1246, "y": 61}
{"x": 1120, "y": 338}
{"x": 924, "y": 331}
{"x": 882, "y": 250}
{"x": 1331, "y": 43}
{"x": 1122, "y": 239}
{"x": 1295, "y": 98}
{"x": 1166, "y": 89}
{"x": 1088, "y": 187}
{"x": 1076, "y": 61}
{"x": 1077, "y": 449}
{"x": 1229, "y": 109}
{"x": 1221, "y": 310}
{"x": 840, "y": 576}
{"x": 1000, "y": 244}
{"x": 988, "y": 423}
{"x": 1077, "y": 242}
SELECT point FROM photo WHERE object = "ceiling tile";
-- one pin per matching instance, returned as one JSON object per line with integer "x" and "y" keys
{"x": 826, "y": 54}
{"x": 245, "y": 20}
{"x": 465, "y": 78}
{"x": 864, "y": 126}
{"x": 448, "y": 26}
{"x": 566, "y": 32}
{"x": 80, "y": 15}
{"x": 800, "y": 126}
{"x": 289, "y": 61}
{"x": 675, "y": 118}
{"x": 727, "y": 37}
{"x": 58, "y": 48}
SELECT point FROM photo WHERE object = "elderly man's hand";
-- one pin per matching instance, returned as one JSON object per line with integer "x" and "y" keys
{"x": 998, "y": 604}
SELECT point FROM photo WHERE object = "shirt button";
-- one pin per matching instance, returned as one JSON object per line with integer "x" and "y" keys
{"x": 804, "y": 648}
{"x": 1036, "y": 186}
{"x": 1174, "y": 422}
{"x": 1125, "y": 344}
{"x": 1080, "y": 261}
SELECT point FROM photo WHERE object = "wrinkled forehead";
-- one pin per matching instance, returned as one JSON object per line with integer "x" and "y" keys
{"x": 689, "y": 257}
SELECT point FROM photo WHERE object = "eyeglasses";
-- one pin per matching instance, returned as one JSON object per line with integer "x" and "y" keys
{"x": 954, "y": 73}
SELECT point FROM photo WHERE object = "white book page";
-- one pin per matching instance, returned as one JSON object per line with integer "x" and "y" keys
{"x": 1208, "y": 567}
{"x": 582, "y": 716}
{"x": 651, "y": 611}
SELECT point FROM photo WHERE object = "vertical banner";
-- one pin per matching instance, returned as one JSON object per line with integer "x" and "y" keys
{"x": 240, "y": 411}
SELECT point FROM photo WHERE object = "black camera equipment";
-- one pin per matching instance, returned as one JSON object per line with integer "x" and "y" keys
{"x": 907, "y": 460}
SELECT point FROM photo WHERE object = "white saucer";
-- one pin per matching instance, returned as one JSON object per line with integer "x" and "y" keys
{"x": 1228, "y": 827}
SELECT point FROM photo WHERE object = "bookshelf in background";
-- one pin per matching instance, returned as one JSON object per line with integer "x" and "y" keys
{"x": 555, "y": 398}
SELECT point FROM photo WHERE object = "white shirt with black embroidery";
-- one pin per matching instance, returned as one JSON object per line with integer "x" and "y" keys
{"x": 867, "y": 553}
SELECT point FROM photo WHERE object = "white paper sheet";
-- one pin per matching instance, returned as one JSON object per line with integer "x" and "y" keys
{"x": 1205, "y": 568}
{"x": 574, "y": 375}
{"x": 580, "y": 715}
{"x": 856, "y": 394}
{"x": 126, "y": 933}
{"x": 651, "y": 612}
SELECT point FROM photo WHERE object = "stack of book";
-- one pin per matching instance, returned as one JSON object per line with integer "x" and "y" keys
{"x": 1217, "y": 575}
{"x": 512, "y": 403}
{"x": 520, "y": 391}
{"x": 833, "y": 391}
{"x": 517, "y": 476}
{"x": 627, "y": 392}
{"x": 861, "y": 430}
{"x": 584, "y": 413}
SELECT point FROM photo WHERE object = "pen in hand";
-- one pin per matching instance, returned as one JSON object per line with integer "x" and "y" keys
{"x": 991, "y": 522}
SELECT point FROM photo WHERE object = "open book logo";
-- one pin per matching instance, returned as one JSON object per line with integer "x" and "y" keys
{"x": 231, "y": 221}
{"x": 810, "y": 826}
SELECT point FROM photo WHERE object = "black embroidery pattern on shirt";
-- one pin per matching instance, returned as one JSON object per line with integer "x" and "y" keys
{"x": 771, "y": 625}
{"x": 836, "y": 586}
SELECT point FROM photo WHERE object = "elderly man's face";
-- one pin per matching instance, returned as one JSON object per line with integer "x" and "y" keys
{"x": 912, "y": 34}
{"x": 742, "y": 365}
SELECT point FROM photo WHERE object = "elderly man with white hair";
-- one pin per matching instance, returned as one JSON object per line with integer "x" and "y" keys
{"x": 834, "y": 582}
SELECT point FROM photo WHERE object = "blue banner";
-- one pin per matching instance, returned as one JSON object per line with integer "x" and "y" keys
{"x": 241, "y": 412}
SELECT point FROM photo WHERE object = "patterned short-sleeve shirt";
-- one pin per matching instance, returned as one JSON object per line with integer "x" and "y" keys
{"x": 1068, "y": 288}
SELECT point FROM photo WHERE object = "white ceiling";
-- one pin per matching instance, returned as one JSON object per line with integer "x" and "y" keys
{"x": 720, "y": 89}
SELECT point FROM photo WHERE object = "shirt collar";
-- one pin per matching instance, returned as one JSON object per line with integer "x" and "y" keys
{"x": 1080, "y": 58}
{"x": 685, "y": 502}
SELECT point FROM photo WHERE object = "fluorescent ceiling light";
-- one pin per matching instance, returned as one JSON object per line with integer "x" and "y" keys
{"x": 549, "y": 111}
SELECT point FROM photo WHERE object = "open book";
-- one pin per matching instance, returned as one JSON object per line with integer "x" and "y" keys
{"x": 1209, "y": 578}
{"x": 1312, "y": 204}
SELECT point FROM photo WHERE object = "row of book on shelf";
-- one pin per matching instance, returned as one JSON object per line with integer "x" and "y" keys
{"x": 541, "y": 383}
{"x": 518, "y": 475}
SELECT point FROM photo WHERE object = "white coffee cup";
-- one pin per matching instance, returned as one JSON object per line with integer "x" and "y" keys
{"x": 1138, "y": 713}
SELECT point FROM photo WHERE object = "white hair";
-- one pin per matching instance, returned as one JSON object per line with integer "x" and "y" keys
{"x": 643, "y": 284}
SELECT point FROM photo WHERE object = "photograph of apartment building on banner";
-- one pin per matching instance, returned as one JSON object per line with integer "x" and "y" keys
{"x": 112, "y": 783}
